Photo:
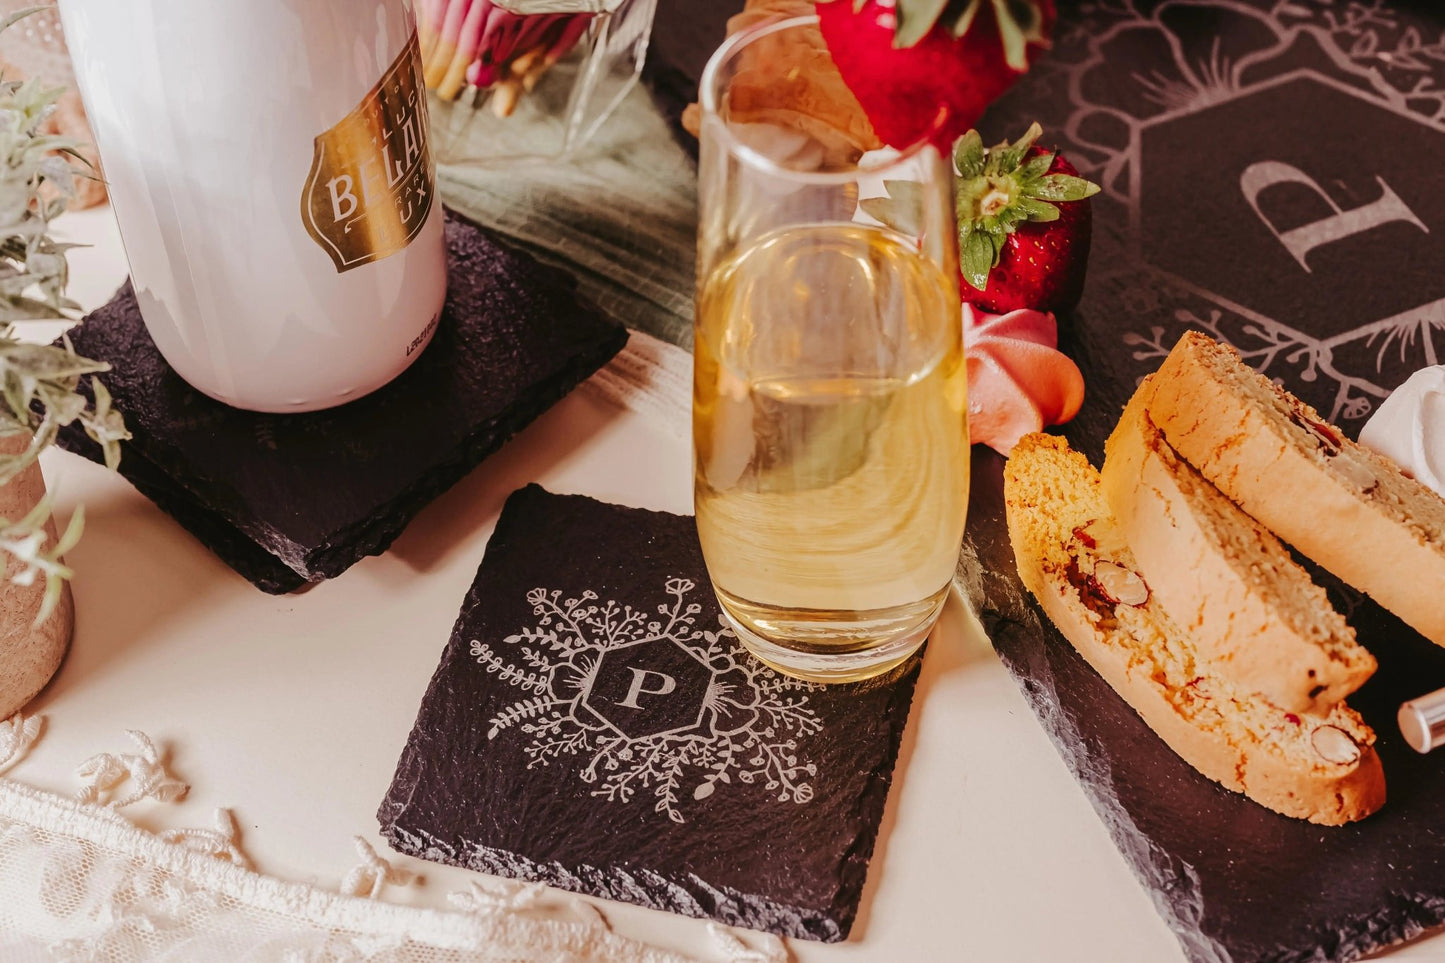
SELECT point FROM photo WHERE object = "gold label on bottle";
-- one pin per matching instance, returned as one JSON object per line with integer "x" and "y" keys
{"x": 370, "y": 187}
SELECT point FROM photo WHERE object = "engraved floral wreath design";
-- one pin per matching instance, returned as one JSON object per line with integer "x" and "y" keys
{"x": 1177, "y": 67}
{"x": 753, "y": 718}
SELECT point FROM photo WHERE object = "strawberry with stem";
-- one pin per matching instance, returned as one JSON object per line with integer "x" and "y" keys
{"x": 1024, "y": 222}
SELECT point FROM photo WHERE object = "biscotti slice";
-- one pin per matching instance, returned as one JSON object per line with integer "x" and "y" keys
{"x": 1073, "y": 557}
{"x": 1348, "y": 508}
{"x": 1252, "y": 612}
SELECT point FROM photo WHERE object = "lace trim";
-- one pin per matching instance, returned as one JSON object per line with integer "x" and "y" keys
{"x": 17, "y": 735}
{"x": 108, "y": 829}
{"x": 492, "y": 911}
{"x": 220, "y": 842}
{"x": 146, "y": 772}
{"x": 373, "y": 873}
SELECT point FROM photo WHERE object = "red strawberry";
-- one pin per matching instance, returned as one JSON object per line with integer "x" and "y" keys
{"x": 1023, "y": 225}
{"x": 924, "y": 68}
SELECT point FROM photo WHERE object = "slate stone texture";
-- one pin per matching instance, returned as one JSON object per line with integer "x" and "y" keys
{"x": 593, "y": 726}
{"x": 1182, "y": 111}
{"x": 292, "y": 499}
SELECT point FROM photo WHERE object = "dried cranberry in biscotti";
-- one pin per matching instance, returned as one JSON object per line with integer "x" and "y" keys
{"x": 1328, "y": 437}
{"x": 1091, "y": 593}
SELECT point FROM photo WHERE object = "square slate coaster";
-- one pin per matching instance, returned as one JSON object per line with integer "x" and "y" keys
{"x": 1168, "y": 106}
{"x": 296, "y": 498}
{"x": 592, "y": 725}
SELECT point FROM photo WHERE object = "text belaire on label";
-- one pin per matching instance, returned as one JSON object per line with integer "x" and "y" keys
{"x": 369, "y": 190}
{"x": 373, "y": 184}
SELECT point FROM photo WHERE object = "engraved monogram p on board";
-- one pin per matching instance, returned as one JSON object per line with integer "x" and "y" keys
{"x": 593, "y": 725}
{"x": 1271, "y": 176}
{"x": 1353, "y": 240}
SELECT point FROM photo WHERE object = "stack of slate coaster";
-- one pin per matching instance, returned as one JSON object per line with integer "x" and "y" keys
{"x": 291, "y": 499}
{"x": 593, "y": 726}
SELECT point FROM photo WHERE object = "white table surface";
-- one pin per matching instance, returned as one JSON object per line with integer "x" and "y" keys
{"x": 293, "y": 710}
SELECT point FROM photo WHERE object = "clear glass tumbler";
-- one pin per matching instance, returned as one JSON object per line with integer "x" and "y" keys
{"x": 829, "y": 416}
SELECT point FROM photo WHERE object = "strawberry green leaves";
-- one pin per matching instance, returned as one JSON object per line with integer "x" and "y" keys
{"x": 1062, "y": 187}
{"x": 927, "y": 69}
{"x": 1000, "y": 188}
{"x": 1020, "y": 23}
{"x": 978, "y": 253}
{"x": 1038, "y": 211}
{"x": 1023, "y": 222}
{"x": 1037, "y": 166}
{"x": 1004, "y": 158}
{"x": 968, "y": 155}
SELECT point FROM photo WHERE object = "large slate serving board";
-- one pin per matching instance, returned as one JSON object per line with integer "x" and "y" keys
{"x": 1168, "y": 105}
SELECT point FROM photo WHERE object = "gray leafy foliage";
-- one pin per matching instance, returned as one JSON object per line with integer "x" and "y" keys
{"x": 39, "y": 383}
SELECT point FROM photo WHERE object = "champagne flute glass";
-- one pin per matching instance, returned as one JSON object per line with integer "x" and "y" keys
{"x": 829, "y": 418}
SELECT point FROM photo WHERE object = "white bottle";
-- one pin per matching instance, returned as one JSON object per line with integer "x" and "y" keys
{"x": 269, "y": 167}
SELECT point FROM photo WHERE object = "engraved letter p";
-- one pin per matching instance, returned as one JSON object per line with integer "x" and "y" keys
{"x": 1299, "y": 241}
{"x": 639, "y": 676}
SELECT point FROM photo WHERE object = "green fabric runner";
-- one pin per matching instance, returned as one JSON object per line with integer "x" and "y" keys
{"x": 622, "y": 216}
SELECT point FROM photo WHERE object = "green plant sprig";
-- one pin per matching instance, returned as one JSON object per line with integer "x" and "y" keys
{"x": 40, "y": 383}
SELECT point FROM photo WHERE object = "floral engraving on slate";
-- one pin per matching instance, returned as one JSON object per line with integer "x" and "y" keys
{"x": 651, "y": 702}
{"x": 1193, "y": 60}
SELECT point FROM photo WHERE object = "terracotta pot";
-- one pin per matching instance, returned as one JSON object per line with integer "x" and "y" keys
{"x": 29, "y": 654}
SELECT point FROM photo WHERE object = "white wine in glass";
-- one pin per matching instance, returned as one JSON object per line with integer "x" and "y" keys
{"x": 830, "y": 436}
